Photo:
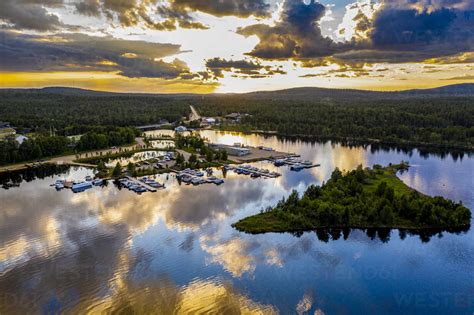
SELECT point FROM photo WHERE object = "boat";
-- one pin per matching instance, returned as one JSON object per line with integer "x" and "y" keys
{"x": 139, "y": 189}
{"x": 80, "y": 187}
{"x": 97, "y": 182}
{"x": 297, "y": 167}
{"x": 196, "y": 181}
{"x": 279, "y": 162}
{"x": 215, "y": 180}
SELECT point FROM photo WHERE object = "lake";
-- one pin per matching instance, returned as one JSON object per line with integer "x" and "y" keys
{"x": 174, "y": 251}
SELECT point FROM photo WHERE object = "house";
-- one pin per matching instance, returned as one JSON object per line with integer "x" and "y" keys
{"x": 209, "y": 121}
{"x": 20, "y": 139}
{"x": 233, "y": 116}
{"x": 180, "y": 129}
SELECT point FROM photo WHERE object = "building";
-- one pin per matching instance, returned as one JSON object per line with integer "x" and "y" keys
{"x": 233, "y": 116}
{"x": 20, "y": 139}
{"x": 237, "y": 151}
{"x": 209, "y": 121}
{"x": 180, "y": 129}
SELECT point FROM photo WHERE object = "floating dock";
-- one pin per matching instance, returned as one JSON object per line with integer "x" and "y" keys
{"x": 253, "y": 171}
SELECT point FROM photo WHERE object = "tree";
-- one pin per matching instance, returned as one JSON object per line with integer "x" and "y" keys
{"x": 224, "y": 156}
{"x": 131, "y": 169}
{"x": 193, "y": 159}
{"x": 117, "y": 170}
{"x": 179, "y": 159}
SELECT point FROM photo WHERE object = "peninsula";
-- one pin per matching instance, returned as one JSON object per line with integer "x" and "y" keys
{"x": 362, "y": 198}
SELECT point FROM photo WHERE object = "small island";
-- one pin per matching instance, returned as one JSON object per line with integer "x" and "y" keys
{"x": 362, "y": 198}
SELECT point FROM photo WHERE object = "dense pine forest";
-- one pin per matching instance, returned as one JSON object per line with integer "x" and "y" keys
{"x": 71, "y": 114}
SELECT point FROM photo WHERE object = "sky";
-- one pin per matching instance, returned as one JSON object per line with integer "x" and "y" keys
{"x": 197, "y": 46}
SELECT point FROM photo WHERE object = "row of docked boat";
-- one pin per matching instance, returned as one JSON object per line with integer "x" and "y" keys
{"x": 294, "y": 163}
{"x": 78, "y": 186}
{"x": 140, "y": 186}
{"x": 151, "y": 182}
{"x": 196, "y": 177}
{"x": 253, "y": 171}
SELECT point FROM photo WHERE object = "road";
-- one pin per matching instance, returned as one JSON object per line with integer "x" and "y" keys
{"x": 194, "y": 114}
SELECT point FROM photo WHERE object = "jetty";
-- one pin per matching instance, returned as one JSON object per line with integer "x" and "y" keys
{"x": 252, "y": 171}
{"x": 140, "y": 183}
{"x": 294, "y": 164}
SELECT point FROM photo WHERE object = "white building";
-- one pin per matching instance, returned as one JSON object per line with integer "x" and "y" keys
{"x": 180, "y": 129}
{"x": 209, "y": 121}
{"x": 20, "y": 139}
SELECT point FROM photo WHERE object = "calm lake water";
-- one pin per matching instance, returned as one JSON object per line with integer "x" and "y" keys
{"x": 174, "y": 251}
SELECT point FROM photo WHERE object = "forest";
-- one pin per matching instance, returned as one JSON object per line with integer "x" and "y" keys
{"x": 419, "y": 121}
{"x": 43, "y": 146}
{"x": 76, "y": 114}
{"x": 361, "y": 198}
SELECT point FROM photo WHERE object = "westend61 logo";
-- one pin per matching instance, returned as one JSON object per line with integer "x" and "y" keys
{"x": 461, "y": 301}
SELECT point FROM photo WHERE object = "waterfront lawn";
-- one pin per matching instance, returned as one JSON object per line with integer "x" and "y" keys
{"x": 362, "y": 198}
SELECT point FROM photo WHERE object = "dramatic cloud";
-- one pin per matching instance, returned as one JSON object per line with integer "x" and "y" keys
{"x": 173, "y": 13}
{"x": 243, "y": 68}
{"x": 242, "y": 8}
{"x": 30, "y": 14}
{"x": 296, "y": 35}
{"x": 76, "y": 52}
{"x": 395, "y": 31}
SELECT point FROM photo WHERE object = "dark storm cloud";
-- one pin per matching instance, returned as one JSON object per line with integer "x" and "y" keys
{"x": 76, "y": 52}
{"x": 30, "y": 14}
{"x": 246, "y": 68}
{"x": 401, "y": 31}
{"x": 297, "y": 35}
{"x": 173, "y": 13}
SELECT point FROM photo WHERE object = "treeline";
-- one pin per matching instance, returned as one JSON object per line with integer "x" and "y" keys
{"x": 107, "y": 138}
{"x": 31, "y": 149}
{"x": 419, "y": 121}
{"x": 46, "y": 146}
{"x": 360, "y": 198}
{"x": 76, "y": 114}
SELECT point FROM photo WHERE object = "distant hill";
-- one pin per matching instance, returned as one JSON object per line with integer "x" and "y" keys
{"x": 466, "y": 89}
